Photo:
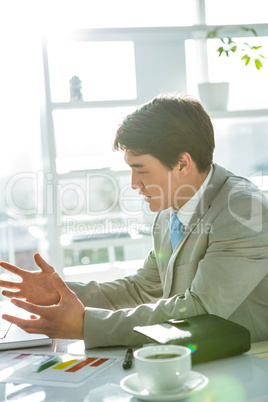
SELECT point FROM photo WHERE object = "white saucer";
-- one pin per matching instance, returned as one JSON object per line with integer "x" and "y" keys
{"x": 195, "y": 382}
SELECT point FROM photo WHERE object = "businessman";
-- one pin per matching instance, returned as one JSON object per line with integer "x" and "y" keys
{"x": 210, "y": 241}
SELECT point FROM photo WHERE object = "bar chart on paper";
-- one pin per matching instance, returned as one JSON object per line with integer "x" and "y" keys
{"x": 51, "y": 369}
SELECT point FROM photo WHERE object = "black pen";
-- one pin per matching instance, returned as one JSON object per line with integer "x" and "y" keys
{"x": 128, "y": 359}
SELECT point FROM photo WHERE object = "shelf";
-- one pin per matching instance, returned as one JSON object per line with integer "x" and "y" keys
{"x": 104, "y": 243}
{"x": 103, "y": 271}
{"x": 215, "y": 114}
{"x": 223, "y": 114}
{"x": 91, "y": 217}
{"x": 197, "y": 31}
{"x": 95, "y": 104}
{"x": 81, "y": 174}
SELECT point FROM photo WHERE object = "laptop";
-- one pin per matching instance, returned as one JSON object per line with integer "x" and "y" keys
{"x": 13, "y": 337}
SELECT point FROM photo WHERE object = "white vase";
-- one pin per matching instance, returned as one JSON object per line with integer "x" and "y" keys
{"x": 214, "y": 95}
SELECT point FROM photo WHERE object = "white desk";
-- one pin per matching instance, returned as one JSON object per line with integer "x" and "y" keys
{"x": 236, "y": 379}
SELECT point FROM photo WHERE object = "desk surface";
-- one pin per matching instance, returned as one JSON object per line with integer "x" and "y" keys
{"x": 237, "y": 379}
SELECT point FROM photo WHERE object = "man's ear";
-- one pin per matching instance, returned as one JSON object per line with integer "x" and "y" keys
{"x": 185, "y": 163}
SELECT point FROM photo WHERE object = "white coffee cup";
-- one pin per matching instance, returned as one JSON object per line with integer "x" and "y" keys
{"x": 163, "y": 369}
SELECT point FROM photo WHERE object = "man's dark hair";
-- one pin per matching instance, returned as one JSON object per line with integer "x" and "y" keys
{"x": 166, "y": 127}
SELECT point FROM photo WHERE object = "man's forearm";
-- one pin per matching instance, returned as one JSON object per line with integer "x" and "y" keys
{"x": 103, "y": 327}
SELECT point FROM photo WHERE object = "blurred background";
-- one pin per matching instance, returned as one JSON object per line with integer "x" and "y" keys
{"x": 70, "y": 72}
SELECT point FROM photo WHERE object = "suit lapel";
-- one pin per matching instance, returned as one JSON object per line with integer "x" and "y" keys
{"x": 218, "y": 178}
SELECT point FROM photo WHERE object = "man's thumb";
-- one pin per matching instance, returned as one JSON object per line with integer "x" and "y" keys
{"x": 59, "y": 284}
{"x": 42, "y": 263}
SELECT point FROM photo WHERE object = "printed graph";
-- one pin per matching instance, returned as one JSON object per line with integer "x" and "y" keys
{"x": 59, "y": 370}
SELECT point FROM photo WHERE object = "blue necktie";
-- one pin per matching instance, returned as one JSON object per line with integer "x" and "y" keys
{"x": 175, "y": 230}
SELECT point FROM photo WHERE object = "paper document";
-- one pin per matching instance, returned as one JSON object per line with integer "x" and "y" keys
{"x": 51, "y": 368}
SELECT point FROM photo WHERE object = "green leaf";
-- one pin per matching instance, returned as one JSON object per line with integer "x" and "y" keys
{"x": 211, "y": 34}
{"x": 249, "y": 30}
{"x": 234, "y": 48}
{"x": 220, "y": 50}
{"x": 256, "y": 47}
{"x": 246, "y": 58}
{"x": 254, "y": 32}
{"x": 258, "y": 64}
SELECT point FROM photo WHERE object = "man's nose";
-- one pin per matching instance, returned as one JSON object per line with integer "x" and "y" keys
{"x": 136, "y": 182}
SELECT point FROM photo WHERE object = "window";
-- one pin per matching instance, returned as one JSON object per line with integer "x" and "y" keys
{"x": 84, "y": 14}
{"x": 23, "y": 229}
{"x": 246, "y": 83}
{"x": 106, "y": 70}
{"x": 220, "y": 12}
{"x": 84, "y": 138}
{"x": 249, "y": 160}
{"x": 128, "y": 70}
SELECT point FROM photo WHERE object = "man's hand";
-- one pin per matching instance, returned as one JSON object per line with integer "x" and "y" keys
{"x": 65, "y": 320}
{"x": 36, "y": 287}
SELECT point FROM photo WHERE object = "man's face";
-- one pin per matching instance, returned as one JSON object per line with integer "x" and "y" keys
{"x": 155, "y": 181}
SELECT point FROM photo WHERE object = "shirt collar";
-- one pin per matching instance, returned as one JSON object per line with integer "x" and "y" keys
{"x": 186, "y": 212}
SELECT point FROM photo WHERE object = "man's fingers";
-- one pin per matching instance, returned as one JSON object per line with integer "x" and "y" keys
{"x": 12, "y": 294}
{"x": 10, "y": 285}
{"x": 31, "y": 308}
{"x": 13, "y": 320}
{"x": 12, "y": 268}
{"x": 31, "y": 326}
{"x": 42, "y": 263}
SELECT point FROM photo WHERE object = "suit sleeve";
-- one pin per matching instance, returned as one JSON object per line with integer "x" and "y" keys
{"x": 142, "y": 287}
{"x": 103, "y": 327}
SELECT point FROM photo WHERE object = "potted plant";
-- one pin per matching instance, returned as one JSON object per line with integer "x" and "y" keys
{"x": 230, "y": 46}
{"x": 214, "y": 96}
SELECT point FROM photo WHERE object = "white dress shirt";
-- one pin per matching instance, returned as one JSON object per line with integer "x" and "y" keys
{"x": 186, "y": 212}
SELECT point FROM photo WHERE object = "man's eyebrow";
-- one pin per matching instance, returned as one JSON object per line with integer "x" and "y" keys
{"x": 136, "y": 165}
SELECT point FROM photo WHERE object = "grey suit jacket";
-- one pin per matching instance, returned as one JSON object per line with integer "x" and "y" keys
{"x": 220, "y": 266}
